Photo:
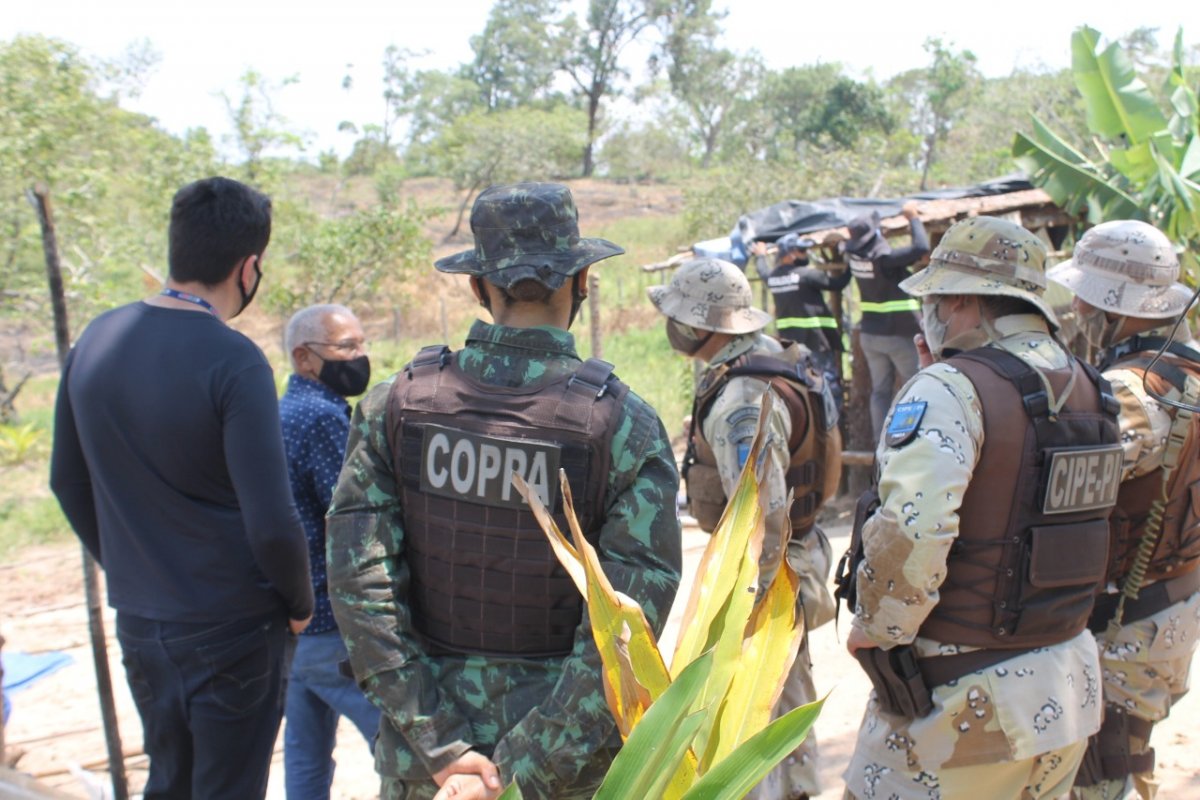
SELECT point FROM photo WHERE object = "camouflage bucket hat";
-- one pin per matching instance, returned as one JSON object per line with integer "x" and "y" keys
{"x": 712, "y": 295}
{"x": 527, "y": 230}
{"x": 1126, "y": 267}
{"x": 989, "y": 256}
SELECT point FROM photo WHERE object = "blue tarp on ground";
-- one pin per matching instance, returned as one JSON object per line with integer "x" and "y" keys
{"x": 22, "y": 670}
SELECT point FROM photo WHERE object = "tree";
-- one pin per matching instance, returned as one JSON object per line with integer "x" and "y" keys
{"x": 707, "y": 79}
{"x": 483, "y": 148}
{"x": 593, "y": 62}
{"x": 352, "y": 258}
{"x": 1146, "y": 163}
{"x": 257, "y": 127}
{"x": 937, "y": 97}
{"x": 518, "y": 54}
{"x": 111, "y": 173}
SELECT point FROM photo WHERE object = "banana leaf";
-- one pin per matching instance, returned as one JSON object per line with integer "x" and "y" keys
{"x": 1120, "y": 106}
{"x": 645, "y": 764}
{"x": 513, "y": 792}
{"x": 738, "y": 773}
{"x": 1070, "y": 179}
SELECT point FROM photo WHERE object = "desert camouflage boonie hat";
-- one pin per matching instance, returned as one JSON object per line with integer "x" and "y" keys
{"x": 989, "y": 256}
{"x": 527, "y": 230}
{"x": 712, "y": 295}
{"x": 1127, "y": 267}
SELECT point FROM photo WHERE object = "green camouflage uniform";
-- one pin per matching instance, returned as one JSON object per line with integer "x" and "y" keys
{"x": 1147, "y": 663}
{"x": 729, "y": 427}
{"x": 992, "y": 730}
{"x": 544, "y": 722}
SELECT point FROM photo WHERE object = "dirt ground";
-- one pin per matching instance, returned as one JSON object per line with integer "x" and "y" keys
{"x": 56, "y": 722}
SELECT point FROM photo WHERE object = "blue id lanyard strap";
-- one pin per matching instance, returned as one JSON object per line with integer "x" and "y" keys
{"x": 188, "y": 297}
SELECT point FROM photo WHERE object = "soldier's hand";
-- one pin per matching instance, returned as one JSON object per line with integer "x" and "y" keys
{"x": 474, "y": 764}
{"x": 297, "y": 625}
{"x": 924, "y": 354}
{"x": 758, "y": 249}
{"x": 857, "y": 640}
{"x": 465, "y": 787}
{"x": 909, "y": 209}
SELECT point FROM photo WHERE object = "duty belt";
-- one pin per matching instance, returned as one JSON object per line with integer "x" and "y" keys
{"x": 890, "y": 306}
{"x": 1150, "y": 600}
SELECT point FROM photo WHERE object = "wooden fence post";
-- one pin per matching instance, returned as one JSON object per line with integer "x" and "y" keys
{"x": 594, "y": 314}
{"x": 39, "y": 198}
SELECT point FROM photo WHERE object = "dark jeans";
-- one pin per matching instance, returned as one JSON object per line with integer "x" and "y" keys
{"x": 211, "y": 697}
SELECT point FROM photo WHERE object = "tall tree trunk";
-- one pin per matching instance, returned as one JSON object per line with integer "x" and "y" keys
{"x": 930, "y": 143}
{"x": 589, "y": 165}
{"x": 39, "y": 198}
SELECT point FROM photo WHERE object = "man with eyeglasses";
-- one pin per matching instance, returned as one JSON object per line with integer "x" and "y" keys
{"x": 329, "y": 361}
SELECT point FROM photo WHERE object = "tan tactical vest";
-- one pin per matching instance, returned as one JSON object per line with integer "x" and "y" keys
{"x": 1033, "y": 526}
{"x": 483, "y": 576}
{"x": 815, "y": 467}
{"x": 1178, "y": 548}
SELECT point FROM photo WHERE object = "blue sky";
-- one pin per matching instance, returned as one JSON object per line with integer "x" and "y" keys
{"x": 206, "y": 46}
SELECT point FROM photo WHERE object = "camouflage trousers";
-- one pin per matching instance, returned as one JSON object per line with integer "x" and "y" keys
{"x": 1147, "y": 665}
{"x": 1048, "y": 775}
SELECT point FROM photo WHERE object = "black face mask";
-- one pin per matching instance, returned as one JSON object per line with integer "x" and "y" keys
{"x": 248, "y": 297}
{"x": 348, "y": 377}
{"x": 683, "y": 340}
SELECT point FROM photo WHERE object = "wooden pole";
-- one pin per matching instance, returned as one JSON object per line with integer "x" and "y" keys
{"x": 39, "y": 198}
{"x": 594, "y": 314}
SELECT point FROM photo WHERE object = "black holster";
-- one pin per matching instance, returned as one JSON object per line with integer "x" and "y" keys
{"x": 896, "y": 676}
{"x": 1109, "y": 755}
{"x": 846, "y": 576}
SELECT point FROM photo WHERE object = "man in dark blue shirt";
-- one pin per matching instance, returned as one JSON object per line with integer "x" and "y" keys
{"x": 326, "y": 345}
{"x": 169, "y": 465}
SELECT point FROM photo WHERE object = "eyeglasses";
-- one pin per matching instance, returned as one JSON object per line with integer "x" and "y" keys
{"x": 347, "y": 346}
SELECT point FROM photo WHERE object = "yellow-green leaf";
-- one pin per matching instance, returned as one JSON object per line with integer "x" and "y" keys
{"x": 737, "y": 538}
{"x": 772, "y": 640}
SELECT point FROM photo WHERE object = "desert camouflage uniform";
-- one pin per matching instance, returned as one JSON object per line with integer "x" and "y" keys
{"x": 729, "y": 428}
{"x": 1147, "y": 663}
{"x": 1016, "y": 729}
{"x": 544, "y": 722}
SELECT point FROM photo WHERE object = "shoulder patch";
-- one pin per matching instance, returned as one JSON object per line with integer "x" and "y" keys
{"x": 906, "y": 419}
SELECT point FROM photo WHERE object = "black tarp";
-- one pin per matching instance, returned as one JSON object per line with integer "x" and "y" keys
{"x": 803, "y": 216}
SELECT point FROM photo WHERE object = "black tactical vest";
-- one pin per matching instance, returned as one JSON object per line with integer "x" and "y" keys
{"x": 483, "y": 577}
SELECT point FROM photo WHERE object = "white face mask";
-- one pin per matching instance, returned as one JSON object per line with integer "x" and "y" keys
{"x": 935, "y": 329}
{"x": 1096, "y": 328}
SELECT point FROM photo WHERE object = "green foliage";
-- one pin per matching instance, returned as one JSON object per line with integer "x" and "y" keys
{"x": 649, "y": 152}
{"x": 715, "y": 199}
{"x": 110, "y": 174}
{"x": 258, "y": 129}
{"x": 934, "y": 98}
{"x": 27, "y": 520}
{"x": 351, "y": 258}
{"x": 482, "y": 148}
{"x": 1147, "y": 162}
{"x": 20, "y": 443}
{"x": 518, "y": 54}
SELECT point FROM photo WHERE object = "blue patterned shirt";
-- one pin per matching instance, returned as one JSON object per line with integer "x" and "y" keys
{"x": 316, "y": 422}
